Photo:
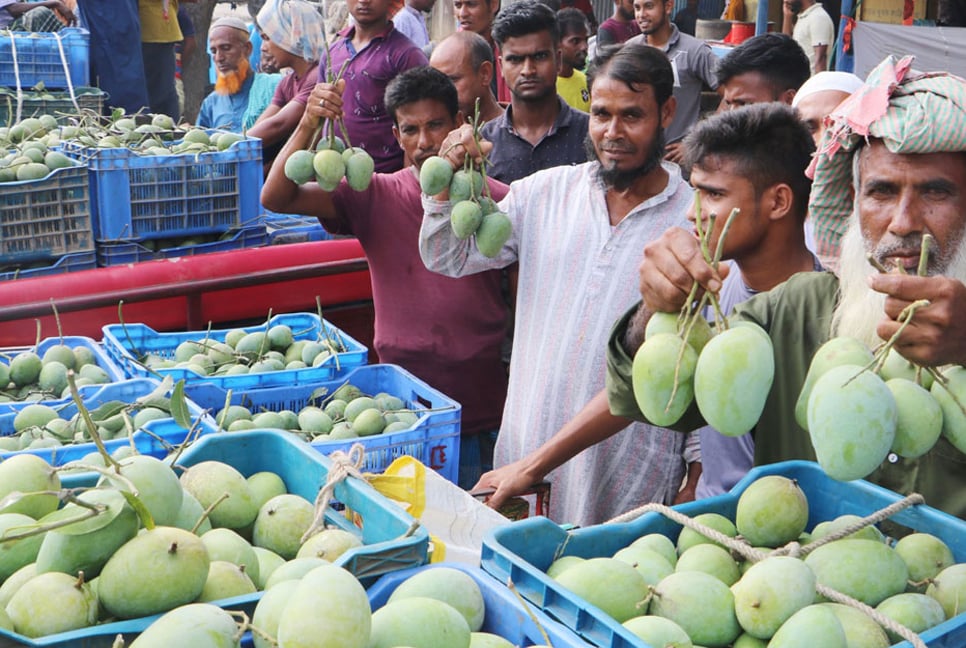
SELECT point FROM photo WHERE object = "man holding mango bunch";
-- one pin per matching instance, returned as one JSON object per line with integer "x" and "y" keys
{"x": 577, "y": 234}
{"x": 900, "y": 140}
{"x": 448, "y": 332}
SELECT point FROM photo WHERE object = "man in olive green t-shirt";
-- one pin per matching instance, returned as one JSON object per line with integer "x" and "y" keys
{"x": 910, "y": 183}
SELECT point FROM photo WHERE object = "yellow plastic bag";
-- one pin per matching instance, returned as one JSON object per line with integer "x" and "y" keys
{"x": 456, "y": 521}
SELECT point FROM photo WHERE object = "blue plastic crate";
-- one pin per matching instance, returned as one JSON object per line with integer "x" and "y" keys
{"x": 114, "y": 372}
{"x": 50, "y": 58}
{"x": 45, "y": 219}
{"x": 289, "y": 228}
{"x": 505, "y": 614}
{"x": 391, "y": 540}
{"x": 157, "y": 438}
{"x": 162, "y": 196}
{"x": 522, "y": 551}
{"x": 125, "y": 343}
{"x": 434, "y": 439}
{"x": 112, "y": 253}
{"x": 68, "y": 263}
{"x": 56, "y": 104}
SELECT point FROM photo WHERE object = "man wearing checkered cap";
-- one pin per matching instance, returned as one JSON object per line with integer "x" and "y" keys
{"x": 900, "y": 143}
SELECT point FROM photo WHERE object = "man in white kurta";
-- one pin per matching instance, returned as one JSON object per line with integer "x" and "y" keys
{"x": 578, "y": 256}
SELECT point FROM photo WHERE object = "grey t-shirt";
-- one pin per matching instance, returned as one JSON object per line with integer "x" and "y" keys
{"x": 693, "y": 64}
{"x": 5, "y": 17}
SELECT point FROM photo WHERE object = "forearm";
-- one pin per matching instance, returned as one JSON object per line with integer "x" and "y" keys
{"x": 443, "y": 252}
{"x": 274, "y": 128}
{"x": 821, "y": 59}
{"x": 593, "y": 424}
{"x": 634, "y": 334}
{"x": 278, "y": 191}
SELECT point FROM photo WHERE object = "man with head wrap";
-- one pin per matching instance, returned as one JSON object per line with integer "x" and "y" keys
{"x": 292, "y": 33}
{"x": 901, "y": 141}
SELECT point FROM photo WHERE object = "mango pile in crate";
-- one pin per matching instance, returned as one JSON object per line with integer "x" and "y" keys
{"x": 707, "y": 573}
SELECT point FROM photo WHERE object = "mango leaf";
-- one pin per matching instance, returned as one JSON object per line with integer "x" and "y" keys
{"x": 147, "y": 521}
{"x": 179, "y": 406}
{"x": 113, "y": 501}
{"x": 108, "y": 409}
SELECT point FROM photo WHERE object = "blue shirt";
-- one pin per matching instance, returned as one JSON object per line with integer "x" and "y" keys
{"x": 412, "y": 23}
{"x": 226, "y": 111}
{"x": 513, "y": 157}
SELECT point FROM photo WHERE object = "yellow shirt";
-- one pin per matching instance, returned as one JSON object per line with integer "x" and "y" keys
{"x": 573, "y": 90}
{"x": 159, "y": 21}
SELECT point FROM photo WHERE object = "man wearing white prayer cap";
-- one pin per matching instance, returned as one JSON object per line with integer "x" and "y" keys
{"x": 820, "y": 95}
{"x": 230, "y": 47}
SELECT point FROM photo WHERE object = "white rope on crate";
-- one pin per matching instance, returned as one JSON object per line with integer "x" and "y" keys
{"x": 343, "y": 465}
{"x": 16, "y": 76}
{"x": 794, "y": 549}
{"x": 63, "y": 61}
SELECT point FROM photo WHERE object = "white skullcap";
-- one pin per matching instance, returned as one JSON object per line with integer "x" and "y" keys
{"x": 230, "y": 21}
{"x": 841, "y": 81}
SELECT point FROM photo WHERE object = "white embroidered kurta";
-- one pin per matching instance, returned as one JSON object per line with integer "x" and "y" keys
{"x": 578, "y": 274}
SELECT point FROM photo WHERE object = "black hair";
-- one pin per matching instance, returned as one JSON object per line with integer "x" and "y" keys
{"x": 767, "y": 142}
{"x": 776, "y": 57}
{"x": 636, "y": 65}
{"x": 523, "y": 18}
{"x": 418, "y": 83}
{"x": 571, "y": 20}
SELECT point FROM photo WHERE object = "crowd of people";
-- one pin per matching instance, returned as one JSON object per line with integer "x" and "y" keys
{"x": 598, "y": 161}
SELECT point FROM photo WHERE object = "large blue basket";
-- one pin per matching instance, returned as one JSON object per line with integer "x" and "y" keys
{"x": 156, "y": 439}
{"x": 42, "y": 220}
{"x": 103, "y": 360}
{"x": 162, "y": 196}
{"x": 112, "y": 253}
{"x": 125, "y": 343}
{"x": 523, "y": 550}
{"x": 50, "y": 58}
{"x": 391, "y": 538}
{"x": 434, "y": 439}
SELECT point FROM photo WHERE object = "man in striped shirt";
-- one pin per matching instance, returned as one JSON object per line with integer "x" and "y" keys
{"x": 577, "y": 234}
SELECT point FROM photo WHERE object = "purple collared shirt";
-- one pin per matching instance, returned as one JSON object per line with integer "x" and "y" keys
{"x": 369, "y": 72}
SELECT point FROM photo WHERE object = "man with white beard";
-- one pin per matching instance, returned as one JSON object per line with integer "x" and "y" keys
{"x": 901, "y": 141}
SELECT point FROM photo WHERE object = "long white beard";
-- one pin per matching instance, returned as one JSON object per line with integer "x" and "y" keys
{"x": 860, "y": 309}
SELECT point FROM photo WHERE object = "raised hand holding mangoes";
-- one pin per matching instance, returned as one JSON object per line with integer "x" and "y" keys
{"x": 474, "y": 210}
{"x": 334, "y": 158}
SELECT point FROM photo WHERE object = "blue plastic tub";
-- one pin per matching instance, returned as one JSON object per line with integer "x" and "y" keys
{"x": 163, "y": 196}
{"x": 523, "y": 550}
{"x": 391, "y": 539}
{"x": 434, "y": 439}
{"x": 50, "y": 58}
{"x": 72, "y": 262}
{"x": 103, "y": 360}
{"x": 42, "y": 220}
{"x": 126, "y": 343}
{"x": 289, "y": 228}
{"x": 157, "y": 438}
{"x": 505, "y": 614}
{"x": 112, "y": 253}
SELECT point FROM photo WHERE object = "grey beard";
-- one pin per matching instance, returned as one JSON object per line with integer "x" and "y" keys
{"x": 860, "y": 309}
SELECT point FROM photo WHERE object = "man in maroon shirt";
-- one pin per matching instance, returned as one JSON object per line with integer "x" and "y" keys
{"x": 619, "y": 27}
{"x": 376, "y": 53}
{"x": 446, "y": 331}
